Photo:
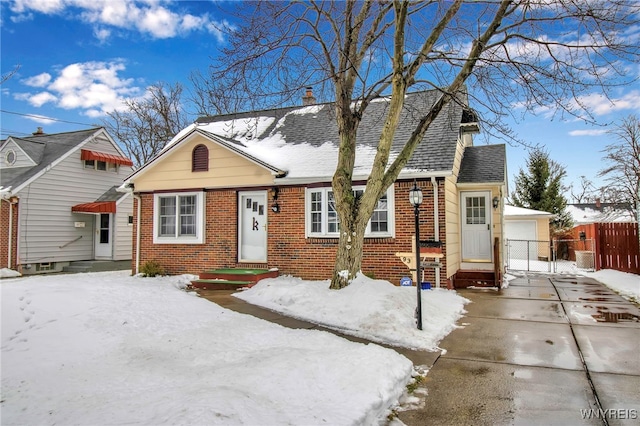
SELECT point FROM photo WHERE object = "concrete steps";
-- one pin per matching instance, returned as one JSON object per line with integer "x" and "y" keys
{"x": 232, "y": 278}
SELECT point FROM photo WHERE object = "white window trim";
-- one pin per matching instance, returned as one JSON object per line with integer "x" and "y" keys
{"x": 368, "y": 234}
{"x": 200, "y": 220}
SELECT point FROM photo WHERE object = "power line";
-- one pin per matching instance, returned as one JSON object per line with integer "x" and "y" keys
{"x": 46, "y": 118}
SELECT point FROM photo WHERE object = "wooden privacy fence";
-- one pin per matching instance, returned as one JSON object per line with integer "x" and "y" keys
{"x": 616, "y": 245}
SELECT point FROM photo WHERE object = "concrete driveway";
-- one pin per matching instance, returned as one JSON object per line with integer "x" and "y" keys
{"x": 552, "y": 350}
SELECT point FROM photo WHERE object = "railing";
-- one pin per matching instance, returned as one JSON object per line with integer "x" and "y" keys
{"x": 70, "y": 242}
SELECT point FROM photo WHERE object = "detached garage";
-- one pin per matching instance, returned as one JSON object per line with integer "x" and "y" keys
{"x": 526, "y": 233}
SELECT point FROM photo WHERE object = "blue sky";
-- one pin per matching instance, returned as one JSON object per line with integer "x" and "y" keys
{"x": 80, "y": 58}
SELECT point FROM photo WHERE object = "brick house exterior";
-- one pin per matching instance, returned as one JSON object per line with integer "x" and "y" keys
{"x": 281, "y": 158}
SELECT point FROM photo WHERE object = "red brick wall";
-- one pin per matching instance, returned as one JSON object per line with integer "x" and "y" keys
{"x": 288, "y": 249}
{"x": 4, "y": 235}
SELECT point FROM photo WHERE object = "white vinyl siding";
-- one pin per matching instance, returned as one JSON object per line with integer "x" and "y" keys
{"x": 178, "y": 218}
{"x": 21, "y": 158}
{"x": 47, "y": 225}
{"x": 322, "y": 219}
{"x": 123, "y": 244}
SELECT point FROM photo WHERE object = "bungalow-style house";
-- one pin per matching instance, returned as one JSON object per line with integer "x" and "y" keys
{"x": 253, "y": 191}
{"x": 58, "y": 201}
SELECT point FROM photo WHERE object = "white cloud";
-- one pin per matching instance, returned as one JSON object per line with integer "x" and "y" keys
{"x": 94, "y": 87}
{"x": 41, "y": 98}
{"x": 42, "y": 6}
{"x": 148, "y": 17}
{"x": 159, "y": 22}
{"x": 594, "y": 132}
{"x": 101, "y": 34}
{"x": 39, "y": 80}
{"x": 599, "y": 104}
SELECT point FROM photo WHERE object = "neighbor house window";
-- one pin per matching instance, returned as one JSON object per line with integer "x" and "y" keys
{"x": 101, "y": 165}
{"x": 179, "y": 218}
{"x": 322, "y": 216}
{"x": 200, "y": 159}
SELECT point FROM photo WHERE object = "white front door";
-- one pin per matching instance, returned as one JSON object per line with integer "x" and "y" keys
{"x": 476, "y": 226}
{"x": 104, "y": 236}
{"x": 252, "y": 234}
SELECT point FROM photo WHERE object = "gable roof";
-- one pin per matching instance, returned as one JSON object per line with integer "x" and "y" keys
{"x": 44, "y": 149}
{"x": 301, "y": 142}
{"x": 483, "y": 164}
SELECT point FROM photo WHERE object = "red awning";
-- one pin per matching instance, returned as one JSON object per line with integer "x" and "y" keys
{"x": 96, "y": 207}
{"x": 86, "y": 154}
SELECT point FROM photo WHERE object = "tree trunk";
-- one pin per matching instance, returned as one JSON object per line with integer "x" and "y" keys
{"x": 349, "y": 256}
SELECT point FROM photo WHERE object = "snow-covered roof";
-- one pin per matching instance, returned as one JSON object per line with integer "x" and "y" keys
{"x": 521, "y": 212}
{"x": 601, "y": 213}
{"x": 302, "y": 141}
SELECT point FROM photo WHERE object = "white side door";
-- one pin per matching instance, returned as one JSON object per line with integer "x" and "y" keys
{"x": 103, "y": 236}
{"x": 252, "y": 232}
{"x": 476, "y": 226}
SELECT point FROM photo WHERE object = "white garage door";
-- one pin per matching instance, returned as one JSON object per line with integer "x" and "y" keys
{"x": 521, "y": 236}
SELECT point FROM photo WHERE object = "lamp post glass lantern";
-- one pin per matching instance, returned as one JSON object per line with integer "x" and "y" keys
{"x": 415, "y": 198}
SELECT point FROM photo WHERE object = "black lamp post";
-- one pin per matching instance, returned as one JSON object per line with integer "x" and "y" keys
{"x": 415, "y": 198}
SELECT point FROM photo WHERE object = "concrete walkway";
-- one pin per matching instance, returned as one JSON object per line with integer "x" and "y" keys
{"x": 552, "y": 350}
{"x": 546, "y": 350}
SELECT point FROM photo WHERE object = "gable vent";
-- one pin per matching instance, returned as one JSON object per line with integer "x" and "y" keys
{"x": 200, "y": 159}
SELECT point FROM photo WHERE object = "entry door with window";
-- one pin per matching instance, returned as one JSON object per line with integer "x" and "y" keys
{"x": 104, "y": 237}
{"x": 476, "y": 226}
{"x": 252, "y": 233}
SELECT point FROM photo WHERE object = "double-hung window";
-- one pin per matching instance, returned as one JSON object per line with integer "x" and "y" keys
{"x": 322, "y": 218}
{"x": 178, "y": 218}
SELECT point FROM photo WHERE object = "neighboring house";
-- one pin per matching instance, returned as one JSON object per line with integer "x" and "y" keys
{"x": 526, "y": 233}
{"x": 58, "y": 200}
{"x": 253, "y": 190}
{"x": 584, "y": 213}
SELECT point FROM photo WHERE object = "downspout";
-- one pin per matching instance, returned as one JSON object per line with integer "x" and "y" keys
{"x": 10, "y": 234}
{"x": 436, "y": 224}
{"x": 7, "y": 195}
{"x": 138, "y": 210}
{"x": 128, "y": 188}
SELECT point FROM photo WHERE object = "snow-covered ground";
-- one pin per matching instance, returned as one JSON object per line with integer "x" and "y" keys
{"x": 374, "y": 309}
{"x": 108, "y": 348}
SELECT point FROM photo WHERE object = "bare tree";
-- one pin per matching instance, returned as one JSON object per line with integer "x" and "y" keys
{"x": 584, "y": 193}
{"x": 509, "y": 55}
{"x": 623, "y": 171}
{"x": 9, "y": 74}
{"x": 146, "y": 124}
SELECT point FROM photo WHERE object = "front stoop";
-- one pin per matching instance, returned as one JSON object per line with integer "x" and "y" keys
{"x": 474, "y": 278}
{"x": 232, "y": 279}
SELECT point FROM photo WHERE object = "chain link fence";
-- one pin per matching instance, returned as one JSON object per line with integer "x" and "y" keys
{"x": 557, "y": 256}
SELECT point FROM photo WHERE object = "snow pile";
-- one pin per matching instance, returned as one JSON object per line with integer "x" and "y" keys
{"x": 108, "y": 348}
{"x": 9, "y": 273}
{"x": 625, "y": 284}
{"x": 373, "y": 309}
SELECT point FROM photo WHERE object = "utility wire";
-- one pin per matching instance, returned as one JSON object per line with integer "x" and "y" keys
{"x": 46, "y": 118}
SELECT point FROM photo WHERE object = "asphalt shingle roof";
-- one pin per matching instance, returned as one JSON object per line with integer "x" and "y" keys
{"x": 483, "y": 164}
{"x": 45, "y": 149}
{"x": 435, "y": 153}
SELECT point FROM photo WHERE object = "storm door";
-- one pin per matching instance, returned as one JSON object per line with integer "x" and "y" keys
{"x": 252, "y": 233}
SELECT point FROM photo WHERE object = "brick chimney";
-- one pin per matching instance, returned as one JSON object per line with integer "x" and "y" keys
{"x": 308, "y": 98}
{"x": 38, "y": 132}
